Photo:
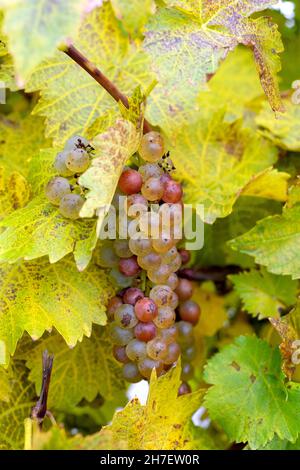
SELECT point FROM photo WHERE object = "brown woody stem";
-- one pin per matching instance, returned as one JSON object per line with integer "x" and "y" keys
{"x": 100, "y": 78}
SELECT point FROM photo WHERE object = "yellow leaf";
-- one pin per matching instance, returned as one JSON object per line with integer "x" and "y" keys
{"x": 271, "y": 184}
{"x": 213, "y": 311}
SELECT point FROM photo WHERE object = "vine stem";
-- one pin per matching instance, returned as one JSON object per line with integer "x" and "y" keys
{"x": 100, "y": 78}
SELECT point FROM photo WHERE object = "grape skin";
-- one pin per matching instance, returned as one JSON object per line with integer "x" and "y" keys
{"x": 152, "y": 189}
{"x": 56, "y": 189}
{"x": 136, "y": 350}
{"x": 76, "y": 142}
{"x": 120, "y": 336}
{"x": 60, "y": 164}
{"x": 151, "y": 147}
{"x": 147, "y": 365}
{"x": 157, "y": 349}
{"x": 78, "y": 160}
{"x": 145, "y": 331}
{"x": 165, "y": 317}
{"x": 131, "y": 372}
{"x": 70, "y": 206}
{"x": 125, "y": 316}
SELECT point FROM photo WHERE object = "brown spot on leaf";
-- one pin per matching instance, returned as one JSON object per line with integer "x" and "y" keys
{"x": 236, "y": 366}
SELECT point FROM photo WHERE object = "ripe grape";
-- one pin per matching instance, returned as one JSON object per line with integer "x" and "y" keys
{"x": 145, "y": 331}
{"x": 175, "y": 264}
{"x": 165, "y": 178}
{"x": 122, "y": 249}
{"x": 136, "y": 204}
{"x": 169, "y": 335}
{"x": 151, "y": 147}
{"x": 119, "y": 279}
{"x": 151, "y": 260}
{"x": 131, "y": 372}
{"x": 172, "y": 281}
{"x": 120, "y": 336}
{"x": 78, "y": 160}
{"x": 157, "y": 349}
{"x": 132, "y": 295}
{"x": 189, "y": 311}
{"x": 165, "y": 318}
{"x": 161, "y": 295}
{"x": 153, "y": 189}
{"x": 60, "y": 164}
{"x": 184, "y": 290}
{"x": 149, "y": 170}
{"x": 119, "y": 353}
{"x": 173, "y": 353}
{"x": 136, "y": 350}
{"x": 185, "y": 255}
{"x": 140, "y": 246}
{"x": 172, "y": 192}
{"x": 146, "y": 310}
{"x": 125, "y": 316}
{"x": 70, "y": 206}
{"x": 130, "y": 181}
{"x": 163, "y": 244}
{"x": 184, "y": 389}
{"x": 147, "y": 365}
{"x": 185, "y": 332}
{"x": 170, "y": 255}
{"x": 129, "y": 266}
{"x": 187, "y": 371}
{"x": 56, "y": 189}
{"x": 106, "y": 256}
{"x": 150, "y": 224}
{"x": 159, "y": 275}
{"x": 76, "y": 142}
{"x": 112, "y": 306}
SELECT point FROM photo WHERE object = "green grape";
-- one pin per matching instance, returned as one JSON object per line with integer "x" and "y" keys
{"x": 189, "y": 353}
{"x": 159, "y": 275}
{"x": 78, "y": 160}
{"x": 150, "y": 261}
{"x": 169, "y": 335}
{"x": 136, "y": 350}
{"x": 76, "y": 142}
{"x": 170, "y": 255}
{"x": 56, "y": 189}
{"x": 140, "y": 246}
{"x": 149, "y": 224}
{"x": 187, "y": 371}
{"x": 157, "y": 349}
{"x": 173, "y": 353}
{"x": 172, "y": 281}
{"x": 131, "y": 372}
{"x": 122, "y": 249}
{"x": 175, "y": 264}
{"x": 125, "y": 317}
{"x": 120, "y": 336}
{"x": 174, "y": 300}
{"x": 147, "y": 365}
{"x": 151, "y": 147}
{"x": 120, "y": 279}
{"x": 150, "y": 170}
{"x": 112, "y": 306}
{"x": 185, "y": 333}
{"x": 153, "y": 189}
{"x": 163, "y": 244}
{"x": 60, "y": 164}
{"x": 165, "y": 318}
{"x": 70, "y": 206}
{"x": 106, "y": 256}
{"x": 162, "y": 295}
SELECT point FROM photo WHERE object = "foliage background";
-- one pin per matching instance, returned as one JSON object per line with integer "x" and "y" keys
{"x": 217, "y": 94}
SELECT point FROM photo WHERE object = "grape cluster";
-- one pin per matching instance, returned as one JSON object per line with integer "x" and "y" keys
{"x": 150, "y": 331}
{"x": 63, "y": 190}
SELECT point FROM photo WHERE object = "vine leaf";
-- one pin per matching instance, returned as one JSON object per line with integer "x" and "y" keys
{"x": 44, "y": 24}
{"x": 39, "y": 230}
{"x": 274, "y": 242}
{"x": 36, "y": 297}
{"x": 216, "y": 160}
{"x": 14, "y": 192}
{"x": 213, "y": 311}
{"x": 81, "y": 372}
{"x": 112, "y": 149}
{"x": 163, "y": 423}
{"x": 134, "y": 14}
{"x": 248, "y": 397}
{"x": 271, "y": 184}
{"x": 264, "y": 294}
{"x": 16, "y": 406}
{"x": 188, "y": 41}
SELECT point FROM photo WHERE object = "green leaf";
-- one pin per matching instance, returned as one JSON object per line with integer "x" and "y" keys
{"x": 71, "y": 100}
{"x": 216, "y": 160}
{"x": 16, "y": 407}
{"x": 246, "y": 212}
{"x": 39, "y": 230}
{"x": 284, "y": 130}
{"x": 36, "y": 297}
{"x": 44, "y": 24}
{"x": 248, "y": 397}
{"x": 134, "y": 14}
{"x": 188, "y": 42}
{"x": 81, "y": 372}
{"x": 274, "y": 242}
{"x": 264, "y": 294}
{"x": 112, "y": 149}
